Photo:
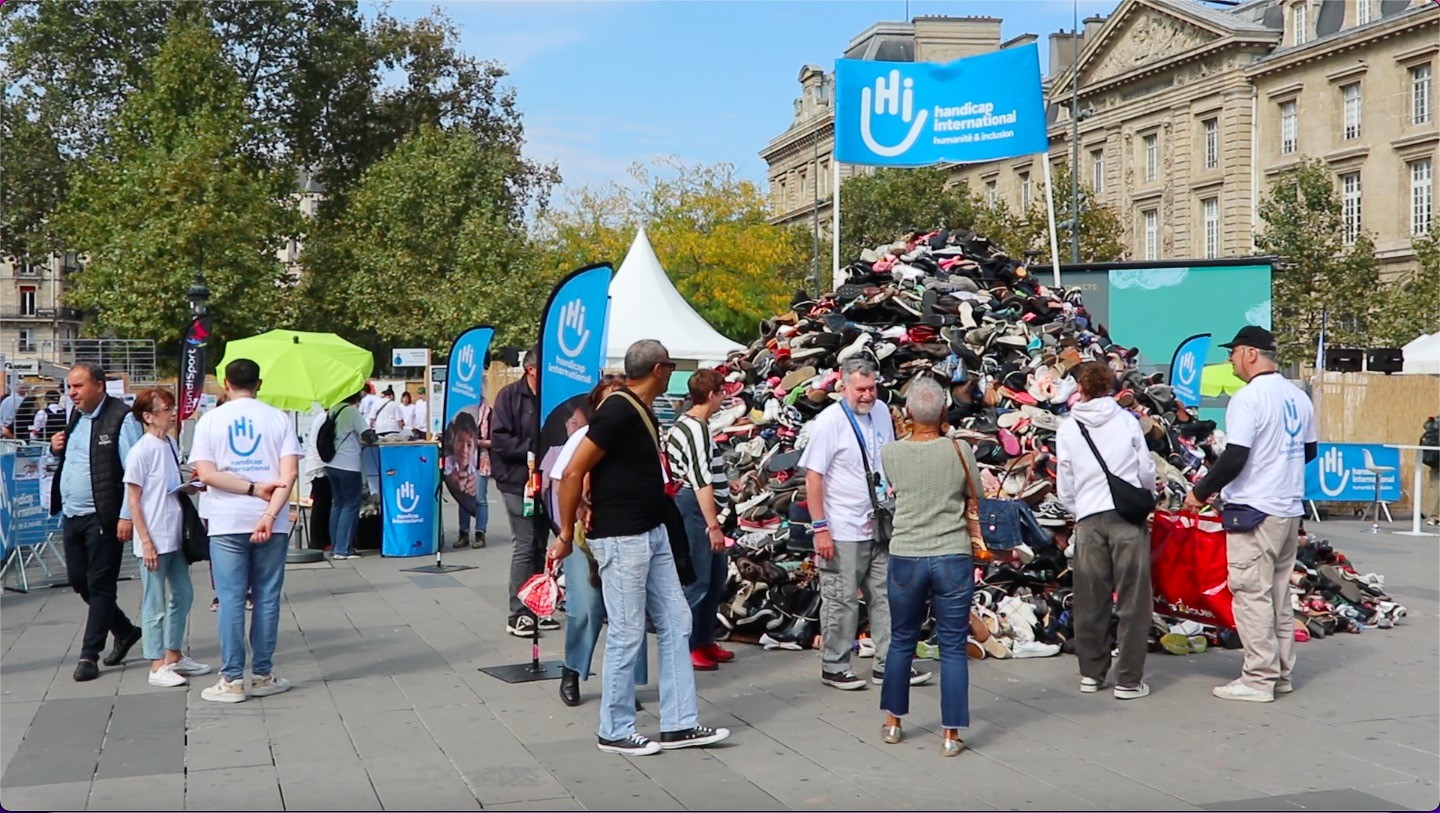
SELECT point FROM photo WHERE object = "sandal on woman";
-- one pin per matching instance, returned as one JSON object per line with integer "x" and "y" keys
{"x": 951, "y": 746}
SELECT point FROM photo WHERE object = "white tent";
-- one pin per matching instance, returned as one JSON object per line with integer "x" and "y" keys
{"x": 645, "y": 305}
{"x": 1422, "y": 356}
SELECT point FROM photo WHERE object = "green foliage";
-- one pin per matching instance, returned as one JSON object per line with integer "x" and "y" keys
{"x": 1318, "y": 276}
{"x": 1412, "y": 302}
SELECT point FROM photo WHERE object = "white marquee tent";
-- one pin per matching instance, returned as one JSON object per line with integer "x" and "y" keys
{"x": 1422, "y": 356}
{"x": 645, "y": 305}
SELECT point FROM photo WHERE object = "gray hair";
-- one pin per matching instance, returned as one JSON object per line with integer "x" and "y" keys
{"x": 857, "y": 364}
{"x": 95, "y": 371}
{"x": 642, "y": 356}
{"x": 531, "y": 357}
{"x": 926, "y": 401}
{"x": 1268, "y": 355}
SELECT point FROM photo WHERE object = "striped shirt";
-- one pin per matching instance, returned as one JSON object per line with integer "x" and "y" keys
{"x": 692, "y": 452}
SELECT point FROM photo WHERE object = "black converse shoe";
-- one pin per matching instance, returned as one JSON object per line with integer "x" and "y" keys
{"x": 521, "y": 626}
{"x": 635, "y": 745}
{"x": 692, "y": 737}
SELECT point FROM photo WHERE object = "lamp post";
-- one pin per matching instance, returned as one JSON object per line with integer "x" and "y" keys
{"x": 197, "y": 293}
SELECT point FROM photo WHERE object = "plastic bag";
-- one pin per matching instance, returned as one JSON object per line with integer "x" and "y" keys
{"x": 1188, "y": 568}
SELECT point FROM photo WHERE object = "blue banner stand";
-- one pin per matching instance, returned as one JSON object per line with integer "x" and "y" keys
{"x": 410, "y": 496}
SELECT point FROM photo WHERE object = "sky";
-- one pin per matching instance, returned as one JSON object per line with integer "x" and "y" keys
{"x": 602, "y": 85}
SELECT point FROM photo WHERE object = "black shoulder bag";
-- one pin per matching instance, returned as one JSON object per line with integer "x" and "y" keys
{"x": 1132, "y": 502}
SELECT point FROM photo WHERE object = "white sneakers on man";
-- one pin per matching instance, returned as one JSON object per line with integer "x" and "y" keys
{"x": 190, "y": 668}
{"x": 225, "y": 691}
{"x": 1235, "y": 690}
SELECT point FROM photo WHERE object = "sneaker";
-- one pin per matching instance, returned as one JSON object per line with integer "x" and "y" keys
{"x": 338, "y": 557}
{"x": 266, "y": 685}
{"x": 1235, "y": 690}
{"x": 190, "y": 668}
{"x": 700, "y": 662}
{"x": 695, "y": 737}
{"x": 1033, "y": 649}
{"x": 225, "y": 691}
{"x": 845, "y": 681}
{"x": 1135, "y": 692}
{"x": 549, "y": 624}
{"x": 718, "y": 654}
{"x": 1052, "y": 513}
{"x": 214, "y": 604}
{"x": 1175, "y": 643}
{"x": 1284, "y": 686}
{"x": 931, "y": 652}
{"x": 1091, "y": 685}
{"x": 521, "y": 626}
{"x": 635, "y": 745}
{"x": 167, "y": 676}
{"x": 250, "y": 604}
{"x": 1198, "y": 644}
{"x": 917, "y": 677}
{"x": 865, "y": 647}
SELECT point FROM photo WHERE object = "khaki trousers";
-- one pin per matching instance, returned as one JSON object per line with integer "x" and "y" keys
{"x": 1260, "y": 565}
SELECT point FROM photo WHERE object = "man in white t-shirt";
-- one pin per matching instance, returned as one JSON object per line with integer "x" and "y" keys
{"x": 849, "y": 558}
{"x": 389, "y": 415}
{"x": 248, "y": 456}
{"x": 1270, "y": 436}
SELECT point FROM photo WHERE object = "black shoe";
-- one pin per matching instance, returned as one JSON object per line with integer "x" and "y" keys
{"x": 462, "y": 541}
{"x": 521, "y": 626}
{"x": 692, "y": 737}
{"x": 479, "y": 540}
{"x": 122, "y": 648}
{"x": 548, "y": 624}
{"x": 86, "y": 670}
{"x": 635, "y": 745}
{"x": 638, "y": 706}
{"x": 569, "y": 687}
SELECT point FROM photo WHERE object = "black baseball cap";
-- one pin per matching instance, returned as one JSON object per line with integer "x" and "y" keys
{"x": 1252, "y": 336}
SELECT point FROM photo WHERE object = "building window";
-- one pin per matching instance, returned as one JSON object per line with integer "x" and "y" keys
{"x": 26, "y": 342}
{"x": 1097, "y": 170}
{"x": 1152, "y": 156}
{"x": 1024, "y": 191}
{"x": 1422, "y": 196}
{"x": 27, "y": 300}
{"x": 1364, "y": 11}
{"x": 1210, "y": 211}
{"x": 1350, "y": 94}
{"x": 1212, "y": 143}
{"x": 27, "y": 268}
{"x": 1350, "y": 207}
{"x": 1420, "y": 94}
{"x": 992, "y": 195}
{"x": 1300, "y": 21}
{"x": 1289, "y": 129}
{"x": 1152, "y": 234}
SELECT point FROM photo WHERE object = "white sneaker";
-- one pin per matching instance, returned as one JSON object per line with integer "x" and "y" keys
{"x": 225, "y": 691}
{"x": 1132, "y": 692}
{"x": 1284, "y": 686}
{"x": 190, "y": 668}
{"x": 266, "y": 685}
{"x": 1090, "y": 685}
{"x": 1235, "y": 690}
{"x": 167, "y": 676}
{"x": 1033, "y": 649}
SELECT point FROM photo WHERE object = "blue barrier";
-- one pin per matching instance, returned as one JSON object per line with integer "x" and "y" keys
{"x": 409, "y": 498}
{"x": 1338, "y": 473}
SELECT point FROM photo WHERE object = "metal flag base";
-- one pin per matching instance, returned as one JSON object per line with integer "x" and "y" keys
{"x": 527, "y": 672}
{"x": 303, "y": 556}
{"x": 438, "y": 567}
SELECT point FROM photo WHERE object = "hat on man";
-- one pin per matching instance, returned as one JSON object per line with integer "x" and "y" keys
{"x": 1252, "y": 336}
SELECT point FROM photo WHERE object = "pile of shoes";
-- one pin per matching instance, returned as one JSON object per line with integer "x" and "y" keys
{"x": 1329, "y": 596}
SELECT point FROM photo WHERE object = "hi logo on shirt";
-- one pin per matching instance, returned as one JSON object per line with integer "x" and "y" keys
{"x": 1293, "y": 424}
{"x": 888, "y": 99}
{"x": 242, "y": 433}
{"x": 406, "y": 498}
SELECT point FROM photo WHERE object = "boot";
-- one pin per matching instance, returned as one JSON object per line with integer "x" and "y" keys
{"x": 479, "y": 540}
{"x": 462, "y": 541}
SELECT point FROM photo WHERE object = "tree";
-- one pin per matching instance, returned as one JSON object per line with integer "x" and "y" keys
{"x": 1319, "y": 278}
{"x": 710, "y": 230}
{"x": 180, "y": 194}
{"x": 878, "y": 208}
{"x": 1411, "y": 303}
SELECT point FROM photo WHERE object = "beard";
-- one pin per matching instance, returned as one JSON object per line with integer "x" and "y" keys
{"x": 863, "y": 407}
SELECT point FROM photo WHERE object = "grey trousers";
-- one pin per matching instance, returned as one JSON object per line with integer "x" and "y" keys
{"x": 1260, "y": 565}
{"x": 527, "y": 555}
{"x": 1112, "y": 556}
{"x": 861, "y": 567}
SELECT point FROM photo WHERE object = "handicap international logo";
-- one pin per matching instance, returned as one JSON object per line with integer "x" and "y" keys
{"x": 888, "y": 99}
{"x": 406, "y": 498}
{"x": 1293, "y": 424}
{"x": 571, "y": 334}
{"x": 1186, "y": 371}
{"x": 242, "y": 432}
{"x": 465, "y": 365}
{"x": 1332, "y": 465}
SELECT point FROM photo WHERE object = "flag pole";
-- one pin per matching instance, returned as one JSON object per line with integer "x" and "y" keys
{"x": 835, "y": 225}
{"x": 1050, "y": 210}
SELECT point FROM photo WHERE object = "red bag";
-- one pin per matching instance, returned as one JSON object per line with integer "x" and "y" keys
{"x": 540, "y": 594}
{"x": 1188, "y": 568}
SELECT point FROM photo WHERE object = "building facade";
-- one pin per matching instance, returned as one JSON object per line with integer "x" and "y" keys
{"x": 35, "y": 324}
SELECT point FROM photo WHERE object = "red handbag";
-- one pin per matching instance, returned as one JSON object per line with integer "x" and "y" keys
{"x": 1188, "y": 568}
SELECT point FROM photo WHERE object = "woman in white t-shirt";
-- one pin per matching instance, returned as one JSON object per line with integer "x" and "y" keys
{"x": 152, "y": 473}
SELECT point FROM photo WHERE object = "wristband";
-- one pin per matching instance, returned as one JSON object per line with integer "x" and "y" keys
{"x": 712, "y": 527}
{"x": 250, "y": 492}
{"x": 819, "y": 525}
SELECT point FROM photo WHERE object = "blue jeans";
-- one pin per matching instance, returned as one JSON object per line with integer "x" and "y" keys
{"x": 345, "y": 491}
{"x": 703, "y": 594}
{"x": 164, "y": 622}
{"x": 948, "y": 582}
{"x": 638, "y": 574}
{"x": 239, "y": 565}
{"x": 481, "y": 517}
{"x": 585, "y": 617}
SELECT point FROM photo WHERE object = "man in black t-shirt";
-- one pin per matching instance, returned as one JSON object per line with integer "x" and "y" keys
{"x": 637, "y": 568}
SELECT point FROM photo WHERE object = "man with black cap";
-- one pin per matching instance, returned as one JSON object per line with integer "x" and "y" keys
{"x": 1270, "y": 425}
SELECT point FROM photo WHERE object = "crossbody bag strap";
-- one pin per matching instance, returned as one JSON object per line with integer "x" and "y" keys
{"x": 864, "y": 457}
{"x": 974, "y": 487}
{"x": 1098, "y": 457}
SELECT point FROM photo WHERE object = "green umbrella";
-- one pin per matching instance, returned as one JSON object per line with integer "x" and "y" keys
{"x": 299, "y": 368}
{"x": 1219, "y": 379}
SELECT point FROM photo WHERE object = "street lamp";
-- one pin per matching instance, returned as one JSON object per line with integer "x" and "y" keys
{"x": 197, "y": 293}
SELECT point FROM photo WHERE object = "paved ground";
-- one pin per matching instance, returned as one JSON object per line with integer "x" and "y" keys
{"x": 389, "y": 711}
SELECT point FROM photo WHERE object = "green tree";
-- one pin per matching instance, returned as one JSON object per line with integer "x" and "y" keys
{"x": 879, "y": 207}
{"x": 1319, "y": 278}
{"x": 179, "y": 194}
{"x": 710, "y": 231}
{"x": 1412, "y": 302}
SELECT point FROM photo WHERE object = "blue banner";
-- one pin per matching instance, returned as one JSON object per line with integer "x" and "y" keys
{"x": 1186, "y": 367}
{"x": 461, "y": 430}
{"x": 1339, "y": 473}
{"x": 24, "y": 498}
{"x": 922, "y": 113}
{"x": 409, "y": 498}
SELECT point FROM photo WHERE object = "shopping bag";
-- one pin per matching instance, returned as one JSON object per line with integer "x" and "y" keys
{"x": 540, "y": 593}
{"x": 1188, "y": 568}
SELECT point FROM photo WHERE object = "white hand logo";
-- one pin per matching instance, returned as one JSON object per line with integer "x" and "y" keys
{"x": 572, "y": 320}
{"x": 1333, "y": 462}
{"x": 406, "y": 499}
{"x": 1185, "y": 370}
{"x": 465, "y": 364}
{"x": 888, "y": 99}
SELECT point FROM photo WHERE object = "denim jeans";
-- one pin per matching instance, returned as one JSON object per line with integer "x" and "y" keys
{"x": 345, "y": 491}
{"x": 164, "y": 622}
{"x": 240, "y": 565}
{"x": 948, "y": 583}
{"x": 585, "y": 617}
{"x": 481, "y": 517}
{"x": 703, "y": 594}
{"x": 638, "y": 575}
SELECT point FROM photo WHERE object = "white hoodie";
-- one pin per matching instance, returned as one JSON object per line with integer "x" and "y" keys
{"x": 1081, "y": 484}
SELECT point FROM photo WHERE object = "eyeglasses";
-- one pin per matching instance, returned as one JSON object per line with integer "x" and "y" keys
{"x": 669, "y": 365}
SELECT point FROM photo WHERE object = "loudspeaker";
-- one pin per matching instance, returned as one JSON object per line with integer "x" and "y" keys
{"x": 1344, "y": 359}
{"x": 1385, "y": 360}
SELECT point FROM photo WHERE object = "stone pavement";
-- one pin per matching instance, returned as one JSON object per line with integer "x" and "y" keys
{"x": 390, "y": 712}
